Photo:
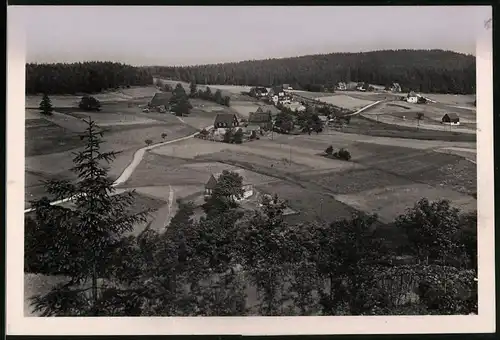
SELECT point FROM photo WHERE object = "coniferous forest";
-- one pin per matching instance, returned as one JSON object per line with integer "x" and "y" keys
{"x": 429, "y": 71}
{"x": 86, "y": 77}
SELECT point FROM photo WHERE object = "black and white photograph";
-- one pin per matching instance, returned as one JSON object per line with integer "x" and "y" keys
{"x": 250, "y": 161}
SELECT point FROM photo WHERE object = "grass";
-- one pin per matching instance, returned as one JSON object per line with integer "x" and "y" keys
{"x": 365, "y": 126}
{"x": 357, "y": 180}
{"x": 44, "y": 137}
{"x": 311, "y": 205}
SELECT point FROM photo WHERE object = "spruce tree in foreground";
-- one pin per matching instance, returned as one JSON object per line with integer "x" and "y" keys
{"x": 46, "y": 106}
{"x": 78, "y": 242}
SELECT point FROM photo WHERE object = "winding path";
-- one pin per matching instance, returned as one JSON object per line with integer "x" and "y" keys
{"x": 129, "y": 170}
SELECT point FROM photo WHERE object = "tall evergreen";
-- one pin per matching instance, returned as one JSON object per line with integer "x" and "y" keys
{"x": 46, "y": 106}
{"x": 77, "y": 242}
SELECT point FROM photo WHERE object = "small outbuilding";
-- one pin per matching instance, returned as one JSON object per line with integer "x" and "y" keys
{"x": 451, "y": 118}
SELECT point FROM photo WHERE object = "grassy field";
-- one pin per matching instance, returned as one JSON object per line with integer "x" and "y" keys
{"x": 370, "y": 127}
{"x": 44, "y": 137}
{"x": 311, "y": 205}
{"x": 345, "y": 101}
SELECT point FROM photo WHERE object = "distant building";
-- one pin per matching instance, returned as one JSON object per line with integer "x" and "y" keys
{"x": 341, "y": 86}
{"x": 226, "y": 120}
{"x": 296, "y": 106}
{"x": 287, "y": 87}
{"x": 259, "y": 91}
{"x": 395, "y": 87}
{"x": 412, "y": 97}
{"x": 277, "y": 91}
{"x": 451, "y": 118}
{"x": 261, "y": 118}
{"x": 160, "y": 101}
{"x": 247, "y": 186}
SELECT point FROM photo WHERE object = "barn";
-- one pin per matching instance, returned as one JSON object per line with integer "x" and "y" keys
{"x": 451, "y": 118}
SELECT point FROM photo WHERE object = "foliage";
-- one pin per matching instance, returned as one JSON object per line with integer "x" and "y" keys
{"x": 148, "y": 142}
{"x": 228, "y": 136}
{"x": 78, "y": 241}
{"x": 284, "y": 122}
{"x": 226, "y": 101}
{"x": 225, "y": 194}
{"x": 342, "y": 154}
{"x": 431, "y": 228}
{"x": 89, "y": 103}
{"x": 238, "y": 136}
{"x": 193, "y": 89}
{"x": 164, "y": 135}
{"x": 180, "y": 101}
{"x": 46, "y": 106}
{"x": 86, "y": 77}
{"x": 428, "y": 71}
{"x": 329, "y": 150}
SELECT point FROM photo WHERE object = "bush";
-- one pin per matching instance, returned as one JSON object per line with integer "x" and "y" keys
{"x": 329, "y": 150}
{"x": 89, "y": 103}
{"x": 163, "y": 135}
{"x": 342, "y": 154}
{"x": 148, "y": 142}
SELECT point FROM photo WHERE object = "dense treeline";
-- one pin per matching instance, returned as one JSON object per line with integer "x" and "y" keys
{"x": 434, "y": 71}
{"x": 206, "y": 266}
{"x": 86, "y": 77}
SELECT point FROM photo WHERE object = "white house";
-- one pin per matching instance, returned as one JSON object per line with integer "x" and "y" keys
{"x": 412, "y": 97}
{"x": 247, "y": 186}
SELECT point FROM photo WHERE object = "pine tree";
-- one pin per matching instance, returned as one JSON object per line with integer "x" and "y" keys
{"x": 82, "y": 238}
{"x": 46, "y": 106}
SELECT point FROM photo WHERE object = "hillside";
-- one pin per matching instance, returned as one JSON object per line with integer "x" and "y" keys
{"x": 87, "y": 77}
{"x": 429, "y": 71}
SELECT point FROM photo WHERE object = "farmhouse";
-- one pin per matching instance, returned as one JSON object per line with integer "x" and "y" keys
{"x": 341, "y": 86}
{"x": 261, "y": 118}
{"x": 395, "y": 87}
{"x": 412, "y": 98}
{"x": 277, "y": 91}
{"x": 160, "y": 101}
{"x": 226, "y": 120}
{"x": 259, "y": 91}
{"x": 212, "y": 182}
{"x": 451, "y": 118}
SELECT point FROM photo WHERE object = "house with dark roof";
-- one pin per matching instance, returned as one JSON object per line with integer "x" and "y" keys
{"x": 226, "y": 121}
{"x": 451, "y": 118}
{"x": 159, "y": 100}
{"x": 262, "y": 119}
{"x": 277, "y": 91}
{"x": 246, "y": 184}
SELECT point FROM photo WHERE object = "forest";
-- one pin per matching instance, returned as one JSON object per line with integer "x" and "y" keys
{"x": 236, "y": 262}
{"x": 86, "y": 77}
{"x": 428, "y": 71}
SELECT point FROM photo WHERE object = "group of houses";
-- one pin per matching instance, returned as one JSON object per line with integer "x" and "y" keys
{"x": 360, "y": 86}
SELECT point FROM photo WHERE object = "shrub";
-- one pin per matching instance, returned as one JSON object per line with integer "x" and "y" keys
{"x": 148, "y": 142}
{"x": 342, "y": 154}
{"x": 163, "y": 135}
{"x": 329, "y": 150}
{"x": 89, "y": 103}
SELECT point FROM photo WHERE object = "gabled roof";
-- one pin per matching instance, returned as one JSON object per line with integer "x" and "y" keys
{"x": 161, "y": 98}
{"x": 452, "y": 115}
{"x": 277, "y": 89}
{"x": 268, "y": 108}
{"x": 212, "y": 181}
{"x": 227, "y": 118}
{"x": 259, "y": 117}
